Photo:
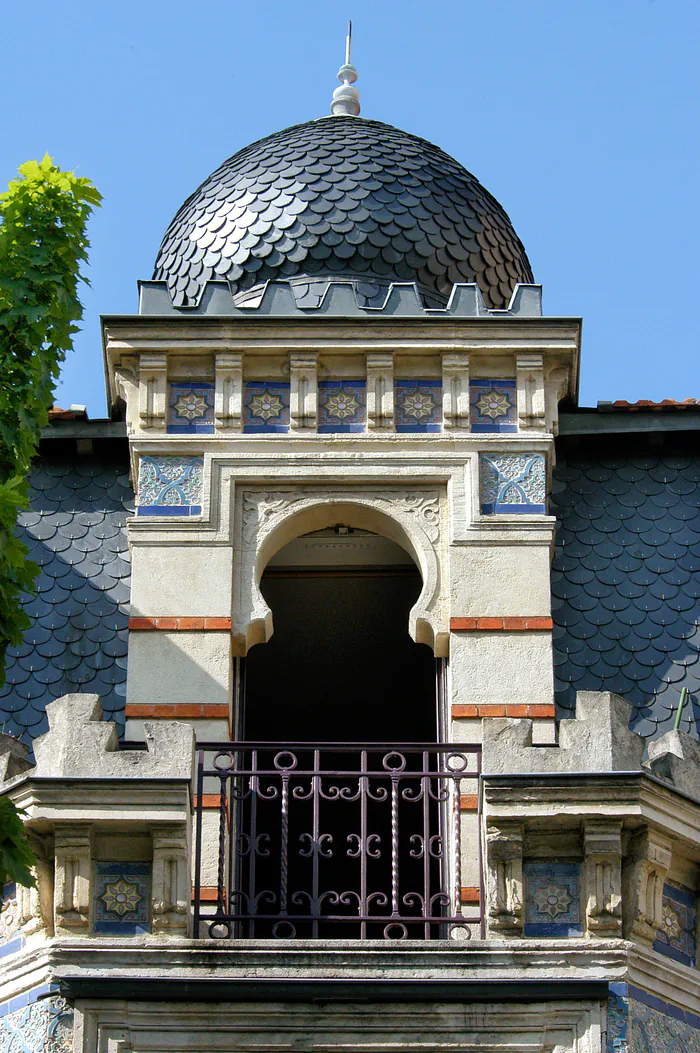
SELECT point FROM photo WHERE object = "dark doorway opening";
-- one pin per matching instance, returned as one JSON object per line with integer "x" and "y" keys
{"x": 341, "y": 842}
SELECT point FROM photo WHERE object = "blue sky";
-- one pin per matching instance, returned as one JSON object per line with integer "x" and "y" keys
{"x": 580, "y": 116}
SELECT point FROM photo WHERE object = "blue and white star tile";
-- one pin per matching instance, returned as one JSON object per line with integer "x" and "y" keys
{"x": 190, "y": 408}
{"x": 513, "y": 483}
{"x": 341, "y": 405}
{"x": 265, "y": 406}
{"x": 676, "y": 937}
{"x": 492, "y": 405}
{"x": 122, "y": 898}
{"x": 417, "y": 405}
{"x": 552, "y": 899}
{"x": 170, "y": 485}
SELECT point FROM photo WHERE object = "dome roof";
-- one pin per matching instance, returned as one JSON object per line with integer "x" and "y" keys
{"x": 342, "y": 197}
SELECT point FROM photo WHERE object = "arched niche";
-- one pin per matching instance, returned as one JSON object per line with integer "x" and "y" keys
{"x": 270, "y": 520}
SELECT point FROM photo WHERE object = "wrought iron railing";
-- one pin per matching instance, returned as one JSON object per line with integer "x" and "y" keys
{"x": 334, "y": 840}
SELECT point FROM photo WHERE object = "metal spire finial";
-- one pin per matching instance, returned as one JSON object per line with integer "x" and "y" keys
{"x": 346, "y": 99}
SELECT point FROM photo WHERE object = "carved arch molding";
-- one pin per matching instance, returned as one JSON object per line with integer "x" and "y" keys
{"x": 266, "y": 520}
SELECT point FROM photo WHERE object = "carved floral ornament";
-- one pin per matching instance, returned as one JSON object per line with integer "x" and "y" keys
{"x": 271, "y": 518}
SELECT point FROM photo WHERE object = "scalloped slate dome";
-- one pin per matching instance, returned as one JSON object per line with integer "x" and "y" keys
{"x": 342, "y": 197}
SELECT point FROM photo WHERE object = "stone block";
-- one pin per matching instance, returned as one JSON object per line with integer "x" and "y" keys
{"x": 676, "y": 757}
{"x": 174, "y": 667}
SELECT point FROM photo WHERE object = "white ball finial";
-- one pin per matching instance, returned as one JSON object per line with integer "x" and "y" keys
{"x": 346, "y": 99}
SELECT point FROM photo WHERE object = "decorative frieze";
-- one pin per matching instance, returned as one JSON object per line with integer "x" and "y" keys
{"x": 170, "y": 485}
{"x": 513, "y": 483}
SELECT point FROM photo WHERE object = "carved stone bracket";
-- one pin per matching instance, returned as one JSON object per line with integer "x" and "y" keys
{"x": 455, "y": 391}
{"x": 303, "y": 397}
{"x": 380, "y": 391}
{"x": 171, "y": 887}
{"x": 530, "y": 382}
{"x": 153, "y": 375}
{"x": 73, "y": 882}
{"x": 645, "y": 875}
{"x": 228, "y": 392}
{"x": 504, "y": 879}
{"x": 602, "y": 845}
{"x": 271, "y": 518}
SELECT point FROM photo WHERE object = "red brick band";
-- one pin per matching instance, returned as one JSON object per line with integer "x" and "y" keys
{"x": 180, "y": 624}
{"x": 510, "y": 625}
{"x": 209, "y": 800}
{"x": 208, "y": 894}
{"x": 191, "y": 710}
{"x": 470, "y": 894}
{"x": 506, "y": 710}
{"x": 468, "y": 802}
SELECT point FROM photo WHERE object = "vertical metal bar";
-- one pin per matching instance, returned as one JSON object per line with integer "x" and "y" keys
{"x": 457, "y": 814}
{"x": 480, "y": 834}
{"x": 221, "y": 870}
{"x": 252, "y": 859}
{"x": 284, "y": 843}
{"x": 394, "y": 845}
{"x": 315, "y": 847}
{"x": 425, "y": 786}
{"x": 198, "y": 846}
{"x": 364, "y": 847}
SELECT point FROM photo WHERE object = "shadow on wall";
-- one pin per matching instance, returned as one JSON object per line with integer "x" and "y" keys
{"x": 626, "y": 584}
{"x": 75, "y": 531}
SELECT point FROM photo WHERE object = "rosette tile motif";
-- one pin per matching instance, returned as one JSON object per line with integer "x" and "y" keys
{"x": 170, "y": 486}
{"x": 341, "y": 405}
{"x": 342, "y": 197}
{"x": 418, "y": 405}
{"x": 513, "y": 483}
{"x": 552, "y": 899}
{"x": 676, "y": 937}
{"x": 625, "y": 587}
{"x": 265, "y": 406}
{"x": 190, "y": 408}
{"x": 493, "y": 405}
{"x": 122, "y": 897}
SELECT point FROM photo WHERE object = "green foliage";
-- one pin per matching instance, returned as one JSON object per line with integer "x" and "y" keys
{"x": 16, "y": 857}
{"x": 43, "y": 218}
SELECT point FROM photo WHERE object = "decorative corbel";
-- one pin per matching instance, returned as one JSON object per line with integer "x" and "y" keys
{"x": 504, "y": 891}
{"x": 644, "y": 876}
{"x": 380, "y": 391}
{"x": 171, "y": 884}
{"x": 303, "y": 391}
{"x": 228, "y": 392}
{"x": 530, "y": 384}
{"x": 455, "y": 391}
{"x": 126, "y": 383}
{"x": 73, "y": 879}
{"x": 602, "y": 846}
{"x": 153, "y": 375}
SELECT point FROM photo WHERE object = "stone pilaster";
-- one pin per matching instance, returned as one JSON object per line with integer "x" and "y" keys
{"x": 530, "y": 387}
{"x": 504, "y": 875}
{"x": 644, "y": 877}
{"x": 455, "y": 391}
{"x": 228, "y": 391}
{"x": 73, "y": 880}
{"x": 153, "y": 390}
{"x": 602, "y": 847}
{"x": 171, "y": 880}
{"x": 303, "y": 392}
{"x": 380, "y": 391}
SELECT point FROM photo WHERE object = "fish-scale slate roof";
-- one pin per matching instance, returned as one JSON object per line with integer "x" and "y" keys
{"x": 75, "y": 531}
{"x": 343, "y": 197}
{"x": 626, "y": 581}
